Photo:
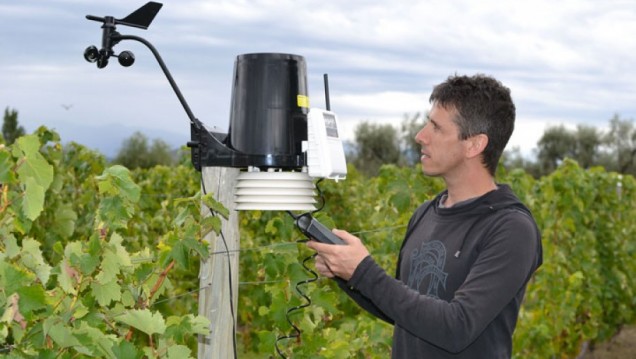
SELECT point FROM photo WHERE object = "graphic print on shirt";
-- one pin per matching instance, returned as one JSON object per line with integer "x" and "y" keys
{"x": 428, "y": 261}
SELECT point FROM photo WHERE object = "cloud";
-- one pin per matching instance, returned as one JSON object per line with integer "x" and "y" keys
{"x": 565, "y": 62}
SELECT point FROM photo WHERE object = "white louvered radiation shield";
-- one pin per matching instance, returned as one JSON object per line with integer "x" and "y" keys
{"x": 275, "y": 191}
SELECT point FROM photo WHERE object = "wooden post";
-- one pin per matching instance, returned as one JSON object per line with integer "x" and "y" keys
{"x": 214, "y": 274}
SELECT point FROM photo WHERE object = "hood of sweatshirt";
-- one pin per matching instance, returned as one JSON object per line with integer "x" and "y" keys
{"x": 502, "y": 197}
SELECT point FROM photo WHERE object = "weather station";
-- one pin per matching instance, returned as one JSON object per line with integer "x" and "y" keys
{"x": 278, "y": 143}
{"x": 274, "y": 135}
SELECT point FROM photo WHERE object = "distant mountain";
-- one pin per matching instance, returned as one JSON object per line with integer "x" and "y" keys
{"x": 108, "y": 138}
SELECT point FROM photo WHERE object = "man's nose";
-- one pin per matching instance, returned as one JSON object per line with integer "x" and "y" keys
{"x": 419, "y": 137}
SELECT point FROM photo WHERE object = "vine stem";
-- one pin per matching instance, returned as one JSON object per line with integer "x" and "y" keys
{"x": 5, "y": 188}
{"x": 5, "y": 197}
{"x": 159, "y": 282}
{"x": 79, "y": 286}
{"x": 5, "y": 193}
{"x": 153, "y": 291}
{"x": 151, "y": 342}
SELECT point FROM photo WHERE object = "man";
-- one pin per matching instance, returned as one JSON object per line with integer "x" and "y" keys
{"x": 468, "y": 254}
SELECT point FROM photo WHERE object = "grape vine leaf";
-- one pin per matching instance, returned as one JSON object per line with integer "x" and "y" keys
{"x": 35, "y": 165}
{"x": 65, "y": 219}
{"x": 107, "y": 292}
{"x": 13, "y": 278}
{"x": 180, "y": 254}
{"x": 11, "y": 246}
{"x": 95, "y": 342}
{"x": 210, "y": 223}
{"x": 35, "y": 172}
{"x": 31, "y": 257}
{"x": 125, "y": 349}
{"x": 114, "y": 211}
{"x": 178, "y": 352}
{"x": 33, "y": 200}
{"x": 87, "y": 263}
{"x": 110, "y": 267}
{"x": 116, "y": 181}
{"x": 180, "y": 328}
{"x": 60, "y": 333}
{"x": 6, "y": 167}
{"x": 197, "y": 246}
{"x": 144, "y": 320}
{"x": 32, "y": 298}
{"x": 215, "y": 205}
{"x": 67, "y": 277}
{"x": 12, "y": 311}
{"x": 180, "y": 218}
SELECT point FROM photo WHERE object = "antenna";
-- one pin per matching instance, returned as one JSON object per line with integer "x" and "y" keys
{"x": 327, "y": 103}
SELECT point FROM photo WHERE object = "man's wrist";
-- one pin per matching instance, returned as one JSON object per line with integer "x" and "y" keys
{"x": 359, "y": 272}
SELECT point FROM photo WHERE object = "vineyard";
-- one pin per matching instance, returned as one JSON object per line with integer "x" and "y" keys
{"x": 101, "y": 261}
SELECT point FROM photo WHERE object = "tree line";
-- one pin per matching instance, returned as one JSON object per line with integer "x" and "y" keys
{"x": 377, "y": 144}
{"x": 136, "y": 151}
{"x": 614, "y": 149}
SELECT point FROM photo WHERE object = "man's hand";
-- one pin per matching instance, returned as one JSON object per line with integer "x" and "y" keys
{"x": 323, "y": 268}
{"x": 339, "y": 260}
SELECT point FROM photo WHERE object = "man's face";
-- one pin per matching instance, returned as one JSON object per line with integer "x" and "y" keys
{"x": 443, "y": 153}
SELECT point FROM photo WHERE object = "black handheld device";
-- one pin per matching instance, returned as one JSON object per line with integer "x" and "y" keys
{"x": 316, "y": 230}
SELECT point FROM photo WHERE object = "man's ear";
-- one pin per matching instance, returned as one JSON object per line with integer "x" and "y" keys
{"x": 476, "y": 145}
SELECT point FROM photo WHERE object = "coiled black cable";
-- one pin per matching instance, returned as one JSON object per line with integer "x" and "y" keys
{"x": 296, "y": 333}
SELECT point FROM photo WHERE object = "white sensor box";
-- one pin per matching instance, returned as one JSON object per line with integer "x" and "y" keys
{"x": 325, "y": 153}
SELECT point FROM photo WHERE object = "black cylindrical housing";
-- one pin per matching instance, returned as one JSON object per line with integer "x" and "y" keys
{"x": 270, "y": 103}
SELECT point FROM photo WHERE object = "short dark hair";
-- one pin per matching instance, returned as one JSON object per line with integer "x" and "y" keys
{"x": 483, "y": 106}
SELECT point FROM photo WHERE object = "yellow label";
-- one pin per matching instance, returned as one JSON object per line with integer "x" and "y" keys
{"x": 303, "y": 101}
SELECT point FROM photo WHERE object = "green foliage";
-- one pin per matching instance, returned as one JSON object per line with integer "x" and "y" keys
{"x": 137, "y": 153}
{"x": 382, "y": 144}
{"x": 74, "y": 282}
{"x": 556, "y": 144}
{"x": 92, "y": 257}
{"x": 585, "y": 290}
{"x": 615, "y": 149}
{"x": 559, "y": 143}
{"x": 377, "y": 144}
{"x": 410, "y": 127}
{"x": 10, "y": 128}
{"x": 621, "y": 138}
{"x": 377, "y": 210}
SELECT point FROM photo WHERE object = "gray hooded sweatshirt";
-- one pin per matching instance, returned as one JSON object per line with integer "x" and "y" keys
{"x": 461, "y": 277}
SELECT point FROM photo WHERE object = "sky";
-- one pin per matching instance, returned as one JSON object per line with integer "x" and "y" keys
{"x": 570, "y": 62}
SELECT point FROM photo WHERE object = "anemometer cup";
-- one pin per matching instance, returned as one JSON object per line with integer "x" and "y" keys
{"x": 91, "y": 54}
{"x": 126, "y": 58}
